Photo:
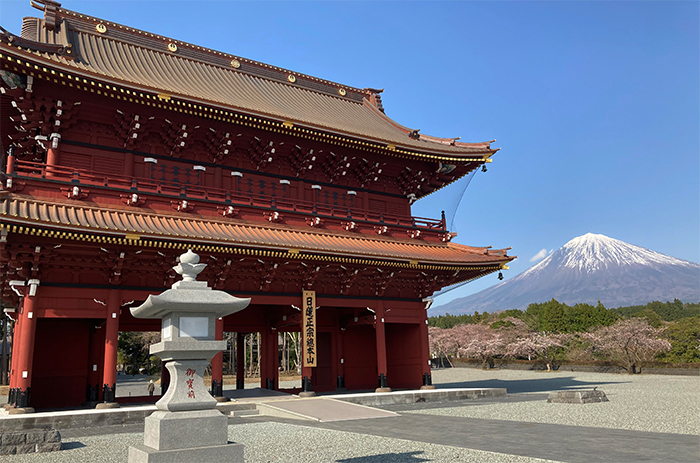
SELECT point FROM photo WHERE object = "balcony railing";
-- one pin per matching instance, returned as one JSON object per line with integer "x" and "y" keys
{"x": 73, "y": 176}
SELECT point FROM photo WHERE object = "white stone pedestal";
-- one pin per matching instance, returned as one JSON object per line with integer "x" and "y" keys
{"x": 221, "y": 453}
{"x": 189, "y": 436}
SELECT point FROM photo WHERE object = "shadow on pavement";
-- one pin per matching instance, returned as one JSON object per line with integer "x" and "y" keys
{"x": 517, "y": 386}
{"x": 407, "y": 457}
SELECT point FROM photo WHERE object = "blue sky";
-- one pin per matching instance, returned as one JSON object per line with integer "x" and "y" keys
{"x": 596, "y": 105}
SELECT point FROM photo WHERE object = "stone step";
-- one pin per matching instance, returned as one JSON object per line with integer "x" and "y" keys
{"x": 229, "y": 407}
{"x": 242, "y": 413}
{"x": 321, "y": 409}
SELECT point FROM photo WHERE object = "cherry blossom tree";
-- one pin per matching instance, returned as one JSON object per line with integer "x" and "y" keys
{"x": 511, "y": 329}
{"x": 545, "y": 347}
{"x": 442, "y": 343}
{"x": 628, "y": 343}
{"x": 479, "y": 342}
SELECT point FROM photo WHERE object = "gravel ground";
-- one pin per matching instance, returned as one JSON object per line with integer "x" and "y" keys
{"x": 641, "y": 402}
{"x": 277, "y": 442}
{"x": 653, "y": 403}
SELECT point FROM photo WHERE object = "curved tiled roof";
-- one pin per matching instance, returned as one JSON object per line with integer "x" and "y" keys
{"x": 98, "y": 220}
{"x": 141, "y": 59}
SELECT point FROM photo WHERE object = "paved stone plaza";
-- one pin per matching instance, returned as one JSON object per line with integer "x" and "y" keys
{"x": 649, "y": 418}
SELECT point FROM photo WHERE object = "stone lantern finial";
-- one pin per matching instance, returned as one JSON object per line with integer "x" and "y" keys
{"x": 189, "y": 266}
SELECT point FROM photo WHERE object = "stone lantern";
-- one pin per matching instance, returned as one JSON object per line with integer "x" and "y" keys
{"x": 187, "y": 427}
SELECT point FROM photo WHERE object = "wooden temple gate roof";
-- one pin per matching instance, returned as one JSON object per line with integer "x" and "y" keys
{"x": 89, "y": 47}
{"x": 82, "y": 222}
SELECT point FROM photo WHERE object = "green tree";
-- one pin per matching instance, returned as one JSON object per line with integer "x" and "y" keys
{"x": 448, "y": 321}
{"x": 553, "y": 317}
{"x": 556, "y": 317}
{"x": 582, "y": 317}
{"x": 652, "y": 317}
{"x": 510, "y": 313}
{"x": 532, "y": 316}
{"x": 133, "y": 348}
{"x": 684, "y": 336}
{"x": 668, "y": 311}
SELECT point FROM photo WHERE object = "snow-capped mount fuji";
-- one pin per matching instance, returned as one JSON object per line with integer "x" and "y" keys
{"x": 587, "y": 269}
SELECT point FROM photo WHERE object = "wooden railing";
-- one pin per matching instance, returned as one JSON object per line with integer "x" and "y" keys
{"x": 141, "y": 186}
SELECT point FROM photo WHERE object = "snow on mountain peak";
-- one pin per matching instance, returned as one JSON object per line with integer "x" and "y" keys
{"x": 588, "y": 269}
{"x": 592, "y": 252}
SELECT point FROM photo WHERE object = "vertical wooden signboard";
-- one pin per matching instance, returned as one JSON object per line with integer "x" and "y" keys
{"x": 308, "y": 328}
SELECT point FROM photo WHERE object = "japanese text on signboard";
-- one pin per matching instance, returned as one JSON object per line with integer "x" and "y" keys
{"x": 308, "y": 328}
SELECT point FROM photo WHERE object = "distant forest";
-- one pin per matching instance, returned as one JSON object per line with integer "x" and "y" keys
{"x": 675, "y": 325}
{"x": 556, "y": 316}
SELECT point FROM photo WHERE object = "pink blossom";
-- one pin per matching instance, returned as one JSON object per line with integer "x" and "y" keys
{"x": 539, "y": 345}
{"x": 628, "y": 343}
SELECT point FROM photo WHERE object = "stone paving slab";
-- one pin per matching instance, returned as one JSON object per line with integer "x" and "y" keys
{"x": 321, "y": 409}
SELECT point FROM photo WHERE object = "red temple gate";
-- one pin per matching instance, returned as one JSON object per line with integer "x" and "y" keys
{"x": 288, "y": 183}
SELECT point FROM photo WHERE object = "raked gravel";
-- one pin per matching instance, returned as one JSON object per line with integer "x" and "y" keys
{"x": 653, "y": 403}
{"x": 277, "y": 442}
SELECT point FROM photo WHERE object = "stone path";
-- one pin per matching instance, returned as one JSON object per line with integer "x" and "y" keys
{"x": 571, "y": 444}
{"x": 323, "y": 410}
{"x": 133, "y": 386}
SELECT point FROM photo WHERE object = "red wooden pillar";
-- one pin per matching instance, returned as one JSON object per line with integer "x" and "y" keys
{"x": 95, "y": 365}
{"x": 240, "y": 360}
{"x": 217, "y": 363}
{"x": 339, "y": 360}
{"x": 25, "y": 353}
{"x": 16, "y": 340}
{"x": 10, "y": 166}
{"x": 52, "y": 158}
{"x": 381, "y": 348}
{"x": 425, "y": 352}
{"x": 269, "y": 367}
{"x": 109, "y": 376}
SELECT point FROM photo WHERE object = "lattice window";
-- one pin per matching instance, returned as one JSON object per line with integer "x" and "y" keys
{"x": 183, "y": 175}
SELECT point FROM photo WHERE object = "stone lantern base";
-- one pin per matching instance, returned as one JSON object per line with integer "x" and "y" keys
{"x": 228, "y": 453}
{"x": 172, "y": 437}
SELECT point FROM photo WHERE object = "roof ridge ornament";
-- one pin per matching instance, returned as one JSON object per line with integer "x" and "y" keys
{"x": 375, "y": 98}
{"x": 50, "y": 8}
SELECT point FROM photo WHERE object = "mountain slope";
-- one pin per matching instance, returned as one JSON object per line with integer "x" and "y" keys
{"x": 587, "y": 269}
